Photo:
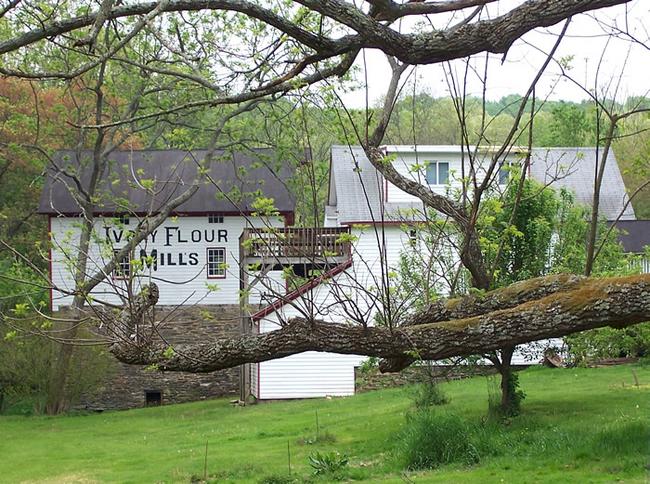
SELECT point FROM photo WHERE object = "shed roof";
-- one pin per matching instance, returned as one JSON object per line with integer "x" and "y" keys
{"x": 357, "y": 192}
{"x": 251, "y": 173}
{"x": 635, "y": 234}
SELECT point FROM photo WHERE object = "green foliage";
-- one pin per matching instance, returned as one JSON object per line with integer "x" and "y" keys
{"x": 430, "y": 440}
{"x": 264, "y": 207}
{"x": 517, "y": 395}
{"x": 346, "y": 238}
{"x": 548, "y": 234}
{"x": 328, "y": 463}
{"x": 423, "y": 119}
{"x": 632, "y": 153}
{"x": 416, "y": 281}
{"x": 414, "y": 286}
{"x": 519, "y": 240}
{"x": 633, "y": 341}
{"x": 369, "y": 365}
{"x": 18, "y": 284}
{"x": 570, "y": 251}
{"x": 570, "y": 124}
{"x": 26, "y": 364}
{"x": 28, "y": 359}
{"x": 169, "y": 352}
{"x": 569, "y": 255}
{"x": 429, "y": 394}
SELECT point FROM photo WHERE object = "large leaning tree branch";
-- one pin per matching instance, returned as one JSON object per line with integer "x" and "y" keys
{"x": 493, "y": 35}
{"x": 474, "y": 305}
{"x": 390, "y": 10}
{"x": 315, "y": 55}
{"x": 588, "y": 304}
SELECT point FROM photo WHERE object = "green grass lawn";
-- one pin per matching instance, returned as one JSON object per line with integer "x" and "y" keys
{"x": 577, "y": 425}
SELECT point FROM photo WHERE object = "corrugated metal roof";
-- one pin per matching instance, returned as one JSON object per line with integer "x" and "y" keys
{"x": 250, "y": 173}
{"x": 574, "y": 168}
{"x": 359, "y": 187}
{"x": 359, "y": 197}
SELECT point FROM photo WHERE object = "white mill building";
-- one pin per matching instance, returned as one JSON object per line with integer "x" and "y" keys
{"x": 216, "y": 245}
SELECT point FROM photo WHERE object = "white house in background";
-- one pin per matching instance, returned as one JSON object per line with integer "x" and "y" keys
{"x": 376, "y": 213}
{"x": 216, "y": 239}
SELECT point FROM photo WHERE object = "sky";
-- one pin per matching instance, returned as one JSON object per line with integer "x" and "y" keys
{"x": 585, "y": 42}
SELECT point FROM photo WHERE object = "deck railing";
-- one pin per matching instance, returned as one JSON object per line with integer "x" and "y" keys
{"x": 303, "y": 242}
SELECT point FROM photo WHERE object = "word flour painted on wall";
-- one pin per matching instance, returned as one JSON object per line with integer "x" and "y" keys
{"x": 176, "y": 241}
{"x": 174, "y": 256}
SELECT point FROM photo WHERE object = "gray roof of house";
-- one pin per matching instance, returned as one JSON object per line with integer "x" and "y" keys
{"x": 574, "y": 168}
{"x": 356, "y": 186}
{"x": 250, "y": 173}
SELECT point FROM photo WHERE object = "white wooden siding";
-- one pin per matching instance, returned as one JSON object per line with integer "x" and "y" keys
{"x": 376, "y": 249}
{"x": 310, "y": 374}
{"x": 307, "y": 375}
{"x": 338, "y": 299}
{"x": 184, "y": 282}
{"x": 254, "y": 368}
{"x": 413, "y": 166}
{"x": 393, "y": 241}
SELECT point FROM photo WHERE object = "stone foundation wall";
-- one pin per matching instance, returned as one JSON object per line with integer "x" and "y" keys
{"x": 374, "y": 380}
{"x": 125, "y": 386}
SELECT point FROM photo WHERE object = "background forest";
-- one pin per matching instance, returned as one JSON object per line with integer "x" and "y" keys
{"x": 37, "y": 121}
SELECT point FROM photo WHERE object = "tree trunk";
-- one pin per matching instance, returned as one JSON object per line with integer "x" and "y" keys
{"x": 510, "y": 399}
{"x": 595, "y": 204}
{"x": 469, "y": 306}
{"x": 591, "y": 304}
{"x": 509, "y": 403}
{"x": 56, "y": 395}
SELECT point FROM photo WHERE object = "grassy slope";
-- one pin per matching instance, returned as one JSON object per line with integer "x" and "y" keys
{"x": 579, "y": 425}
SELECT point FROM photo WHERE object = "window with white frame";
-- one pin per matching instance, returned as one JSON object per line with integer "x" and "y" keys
{"x": 215, "y": 219}
{"x": 216, "y": 263}
{"x": 122, "y": 266}
{"x": 437, "y": 173}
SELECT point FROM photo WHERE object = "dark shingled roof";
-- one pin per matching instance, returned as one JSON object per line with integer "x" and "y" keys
{"x": 635, "y": 234}
{"x": 247, "y": 173}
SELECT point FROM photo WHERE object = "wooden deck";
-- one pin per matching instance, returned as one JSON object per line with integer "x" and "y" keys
{"x": 296, "y": 244}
